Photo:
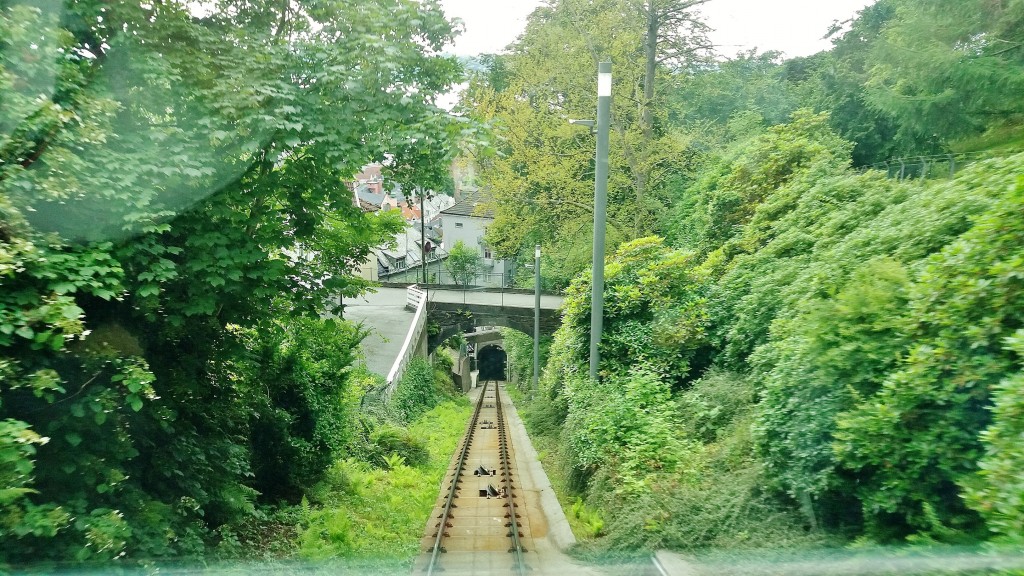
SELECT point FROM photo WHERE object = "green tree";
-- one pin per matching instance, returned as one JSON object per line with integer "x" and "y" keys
{"x": 303, "y": 418}
{"x": 749, "y": 176}
{"x": 949, "y": 68}
{"x": 168, "y": 181}
{"x": 918, "y": 438}
{"x": 836, "y": 350}
{"x": 654, "y": 313}
{"x": 833, "y": 81}
{"x": 542, "y": 174}
{"x": 674, "y": 37}
{"x": 747, "y": 82}
{"x": 463, "y": 263}
{"x": 995, "y": 491}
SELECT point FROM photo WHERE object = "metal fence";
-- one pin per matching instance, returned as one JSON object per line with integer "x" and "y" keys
{"x": 933, "y": 166}
{"x": 439, "y": 276}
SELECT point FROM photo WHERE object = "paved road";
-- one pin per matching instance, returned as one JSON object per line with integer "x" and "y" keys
{"x": 384, "y": 314}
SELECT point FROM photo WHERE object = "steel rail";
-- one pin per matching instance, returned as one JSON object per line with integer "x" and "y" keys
{"x": 517, "y": 547}
{"x": 447, "y": 513}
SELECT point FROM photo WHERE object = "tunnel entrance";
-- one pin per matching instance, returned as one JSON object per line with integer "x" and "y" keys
{"x": 491, "y": 360}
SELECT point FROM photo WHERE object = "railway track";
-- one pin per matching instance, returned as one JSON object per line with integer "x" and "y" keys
{"x": 480, "y": 513}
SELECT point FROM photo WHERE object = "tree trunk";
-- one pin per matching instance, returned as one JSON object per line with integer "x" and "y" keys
{"x": 646, "y": 114}
{"x": 651, "y": 64}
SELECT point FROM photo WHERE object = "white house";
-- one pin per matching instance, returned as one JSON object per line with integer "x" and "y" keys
{"x": 467, "y": 221}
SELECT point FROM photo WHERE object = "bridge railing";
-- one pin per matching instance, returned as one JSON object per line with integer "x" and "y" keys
{"x": 415, "y": 298}
{"x": 438, "y": 276}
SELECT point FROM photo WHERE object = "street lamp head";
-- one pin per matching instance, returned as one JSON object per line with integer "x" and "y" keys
{"x": 591, "y": 124}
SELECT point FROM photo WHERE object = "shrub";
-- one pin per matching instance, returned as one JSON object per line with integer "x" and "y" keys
{"x": 305, "y": 420}
{"x": 717, "y": 500}
{"x": 815, "y": 368}
{"x": 443, "y": 361}
{"x": 995, "y": 491}
{"x": 708, "y": 407}
{"x": 654, "y": 314}
{"x": 390, "y": 440}
{"x": 916, "y": 441}
{"x": 627, "y": 426}
{"x": 420, "y": 389}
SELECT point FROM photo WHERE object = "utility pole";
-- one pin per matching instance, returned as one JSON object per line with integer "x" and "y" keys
{"x": 536, "y": 317}
{"x": 423, "y": 246}
{"x": 423, "y": 238}
{"x": 604, "y": 108}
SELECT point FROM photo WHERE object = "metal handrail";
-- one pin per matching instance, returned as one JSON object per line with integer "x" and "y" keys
{"x": 902, "y": 168}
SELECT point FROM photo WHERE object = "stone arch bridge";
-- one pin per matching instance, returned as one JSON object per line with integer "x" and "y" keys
{"x": 447, "y": 315}
{"x": 400, "y": 319}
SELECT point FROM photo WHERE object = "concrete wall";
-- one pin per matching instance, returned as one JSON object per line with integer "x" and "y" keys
{"x": 460, "y": 373}
{"x": 421, "y": 343}
{"x": 415, "y": 343}
{"x": 368, "y": 268}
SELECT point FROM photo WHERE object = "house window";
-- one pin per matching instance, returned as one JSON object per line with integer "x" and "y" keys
{"x": 458, "y": 224}
{"x": 487, "y": 252}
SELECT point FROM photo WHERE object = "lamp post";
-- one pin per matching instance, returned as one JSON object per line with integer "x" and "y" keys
{"x": 601, "y": 126}
{"x": 604, "y": 106}
{"x": 536, "y": 316}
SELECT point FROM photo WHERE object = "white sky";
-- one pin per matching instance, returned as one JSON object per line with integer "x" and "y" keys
{"x": 794, "y": 27}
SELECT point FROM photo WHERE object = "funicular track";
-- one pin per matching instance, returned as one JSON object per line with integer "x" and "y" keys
{"x": 485, "y": 520}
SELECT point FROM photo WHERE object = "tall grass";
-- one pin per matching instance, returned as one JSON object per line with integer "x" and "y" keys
{"x": 373, "y": 518}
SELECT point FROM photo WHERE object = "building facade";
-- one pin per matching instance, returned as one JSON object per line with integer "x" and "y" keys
{"x": 467, "y": 221}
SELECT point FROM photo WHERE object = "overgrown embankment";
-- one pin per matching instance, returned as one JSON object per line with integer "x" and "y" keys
{"x": 369, "y": 508}
{"x": 374, "y": 516}
{"x": 842, "y": 363}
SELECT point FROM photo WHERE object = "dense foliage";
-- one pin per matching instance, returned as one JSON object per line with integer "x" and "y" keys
{"x": 875, "y": 353}
{"x": 422, "y": 387}
{"x": 797, "y": 350}
{"x": 806, "y": 351}
{"x": 173, "y": 222}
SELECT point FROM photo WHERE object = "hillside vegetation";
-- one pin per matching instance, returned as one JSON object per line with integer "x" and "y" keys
{"x": 175, "y": 227}
{"x": 846, "y": 369}
{"x": 798, "y": 350}
{"x": 814, "y": 320}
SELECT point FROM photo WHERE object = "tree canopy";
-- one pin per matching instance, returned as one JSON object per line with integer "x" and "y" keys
{"x": 818, "y": 352}
{"x": 173, "y": 198}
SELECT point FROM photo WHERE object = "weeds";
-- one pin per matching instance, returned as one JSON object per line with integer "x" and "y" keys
{"x": 374, "y": 517}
